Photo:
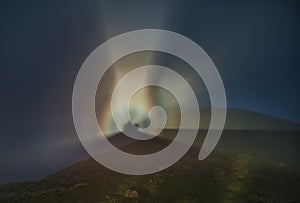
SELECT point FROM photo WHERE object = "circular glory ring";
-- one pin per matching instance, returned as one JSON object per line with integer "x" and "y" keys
{"x": 102, "y": 58}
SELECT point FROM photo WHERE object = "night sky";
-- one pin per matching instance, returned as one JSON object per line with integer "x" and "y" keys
{"x": 254, "y": 44}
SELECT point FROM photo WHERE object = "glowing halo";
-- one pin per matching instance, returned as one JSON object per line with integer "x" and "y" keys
{"x": 102, "y": 58}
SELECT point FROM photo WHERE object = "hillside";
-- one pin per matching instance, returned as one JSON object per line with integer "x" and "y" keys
{"x": 242, "y": 119}
{"x": 239, "y": 170}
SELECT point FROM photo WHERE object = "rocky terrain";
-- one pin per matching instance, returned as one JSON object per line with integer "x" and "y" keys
{"x": 240, "y": 176}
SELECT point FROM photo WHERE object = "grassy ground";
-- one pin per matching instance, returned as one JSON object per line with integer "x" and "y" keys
{"x": 224, "y": 176}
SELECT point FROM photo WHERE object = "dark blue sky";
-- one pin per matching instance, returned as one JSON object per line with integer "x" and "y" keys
{"x": 254, "y": 44}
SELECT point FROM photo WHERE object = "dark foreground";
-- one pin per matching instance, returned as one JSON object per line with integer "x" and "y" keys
{"x": 247, "y": 166}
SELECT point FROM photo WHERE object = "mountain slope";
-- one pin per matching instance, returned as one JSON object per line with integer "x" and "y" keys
{"x": 248, "y": 120}
{"x": 247, "y": 174}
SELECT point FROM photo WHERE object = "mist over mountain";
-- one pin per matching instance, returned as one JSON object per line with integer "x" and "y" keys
{"x": 242, "y": 119}
{"x": 62, "y": 143}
